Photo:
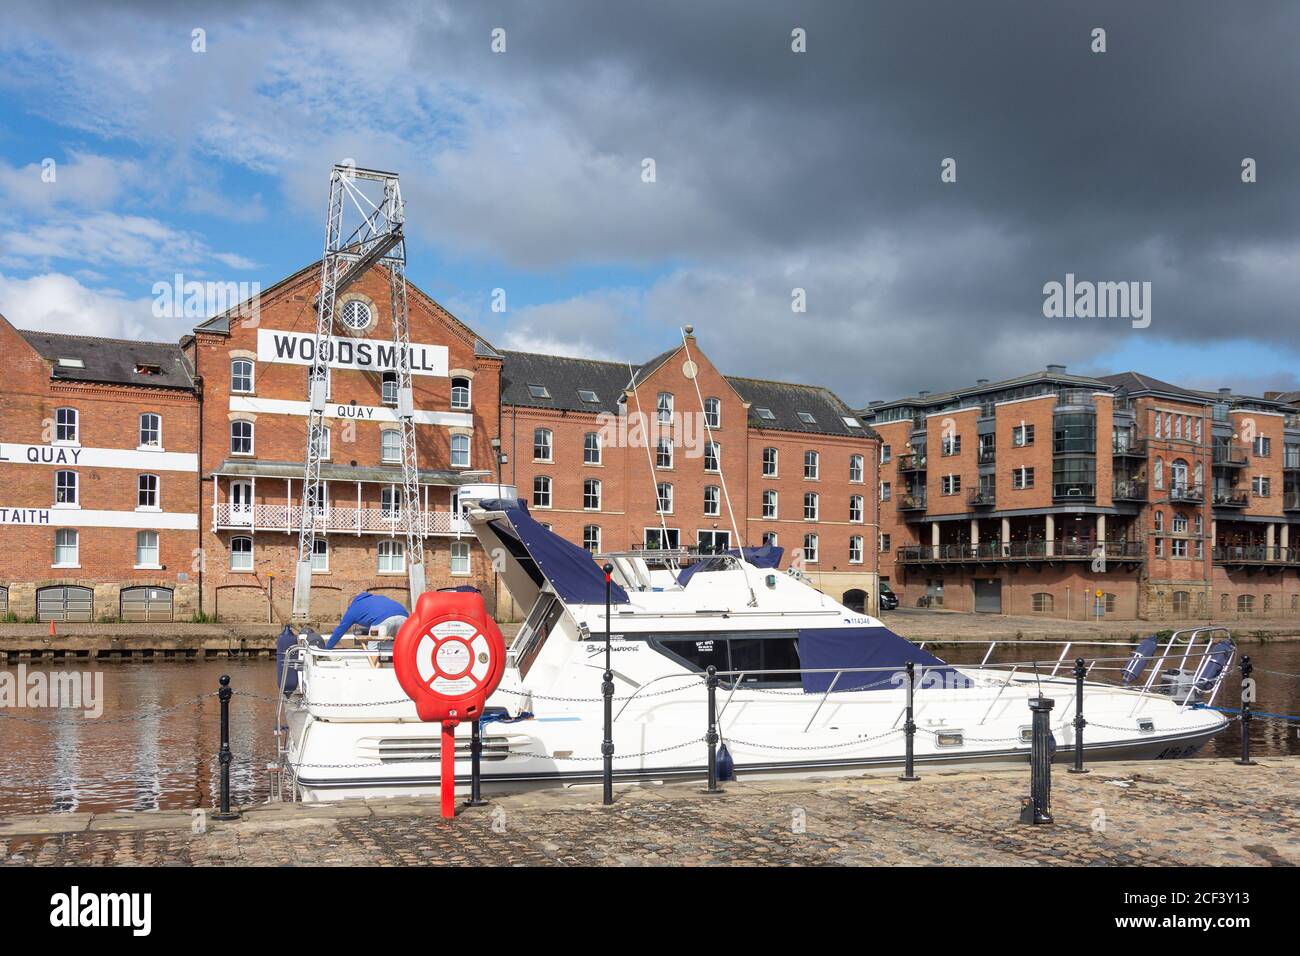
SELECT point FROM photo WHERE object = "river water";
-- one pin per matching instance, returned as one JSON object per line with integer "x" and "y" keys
{"x": 64, "y": 762}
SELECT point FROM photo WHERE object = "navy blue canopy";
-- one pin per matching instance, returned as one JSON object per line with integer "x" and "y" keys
{"x": 569, "y": 568}
{"x": 845, "y": 647}
{"x": 768, "y": 556}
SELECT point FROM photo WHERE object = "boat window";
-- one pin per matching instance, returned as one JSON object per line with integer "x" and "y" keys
{"x": 541, "y": 622}
{"x": 774, "y": 650}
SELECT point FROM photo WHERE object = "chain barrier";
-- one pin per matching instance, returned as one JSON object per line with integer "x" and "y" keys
{"x": 1261, "y": 670}
{"x": 106, "y": 721}
{"x": 965, "y": 736}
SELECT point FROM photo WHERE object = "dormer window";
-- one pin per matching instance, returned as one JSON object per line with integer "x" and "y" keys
{"x": 539, "y": 391}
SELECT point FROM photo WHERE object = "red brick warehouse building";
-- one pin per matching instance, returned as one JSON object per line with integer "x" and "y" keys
{"x": 99, "y": 466}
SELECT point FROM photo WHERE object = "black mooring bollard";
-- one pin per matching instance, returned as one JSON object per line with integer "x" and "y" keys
{"x": 1037, "y": 808}
{"x": 476, "y": 766}
{"x": 1247, "y": 694}
{"x": 909, "y": 725}
{"x": 1080, "y": 672}
{"x": 223, "y": 695}
{"x": 607, "y": 691}
{"x": 711, "y": 737}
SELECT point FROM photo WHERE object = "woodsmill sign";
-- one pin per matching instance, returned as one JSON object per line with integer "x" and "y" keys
{"x": 366, "y": 355}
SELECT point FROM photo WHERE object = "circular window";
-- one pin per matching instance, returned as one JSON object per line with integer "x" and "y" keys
{"x": 356, "y": 315}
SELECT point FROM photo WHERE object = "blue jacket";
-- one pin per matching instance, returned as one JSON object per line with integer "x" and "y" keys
{"x": 366, "y": 610}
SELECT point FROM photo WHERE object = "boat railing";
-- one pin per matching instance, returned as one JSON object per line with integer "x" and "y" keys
{"x": 1182, "y": 646}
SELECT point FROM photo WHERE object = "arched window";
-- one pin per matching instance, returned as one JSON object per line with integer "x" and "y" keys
{"x": 591, "y": 448}
{"x": 855, "y": 549}
{"x": 591, "y": 537}
{"x": 810, "y": 506}
{"x": 1042, "y": 602}
{"x": 712, "y": 456}
{"x": 855, "y": 468}
{"x": 541, "y": 491}
{"x": 664, "y": 453}
{"x": 591, "y": 495}
{"x": 810, "y": 543}
{"x": 146, "y": 496}
{"x": 388, "y": 388}
{"x": 664, "y": 407}
{"x": 1245, "y": 604}
{"x": 769, "y": 504}
{"x": 460, "y": 451}
{"x": 664, "y": 498}
{"x": 1158, "y": 473}
{"x": 1182, "y": 603}
{"x": 460, "y": 393}
{"x": 712, "y": 500}
{"x": 1178, "y": 475}
{"x": 151, "y": 430}
{"x": 241, "y": 375}
{"x": 811, "y": 464}
{"x": 855, "y": 508}
{"x": 241, "y": 437}
{"x": 769, "y": 462}
{"x": 241, "y": 554}
{"x": 712, "y": 413}
{"x": 65, "y": 426}
{"x": 67, "y": 553}
{"x": 65, "y": 487}
{"x": 392, "y": 557}
{"x": 390, "y": 445}
{"x": 460, "y": 557}
{"x": 320, "y": 556}
{"x": 542, "y": 448}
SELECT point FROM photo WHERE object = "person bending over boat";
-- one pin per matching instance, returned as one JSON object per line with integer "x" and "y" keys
{"x": 370, "y": 610}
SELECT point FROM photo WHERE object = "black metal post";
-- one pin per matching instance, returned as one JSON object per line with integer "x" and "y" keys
{"x": 909, "y": 725}
{"x": 223, "y": 695}
{"x": 711, "y": 682}
{"x": 1080, "y": 672}
{"x": 607, "y": 689}
{"x": 1246, "y": 699}
{"x": 476, "y": 766}
{"x": 1038, "y": 807}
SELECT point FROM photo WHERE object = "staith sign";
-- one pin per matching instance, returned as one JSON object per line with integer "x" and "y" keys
{"x": 366, "y": 355}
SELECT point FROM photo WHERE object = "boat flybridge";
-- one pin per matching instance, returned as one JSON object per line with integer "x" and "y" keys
{"x": 805, "y": 683}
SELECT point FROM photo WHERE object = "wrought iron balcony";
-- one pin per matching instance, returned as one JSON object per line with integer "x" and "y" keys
{"x": 1085, "y": 549}
{"x": 1124, "y": 490}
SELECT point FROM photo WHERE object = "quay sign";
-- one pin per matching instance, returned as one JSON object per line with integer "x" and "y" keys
{"x": 366, "y": 355}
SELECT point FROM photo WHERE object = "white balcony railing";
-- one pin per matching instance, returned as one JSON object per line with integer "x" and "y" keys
{"x": 338, "y": 520}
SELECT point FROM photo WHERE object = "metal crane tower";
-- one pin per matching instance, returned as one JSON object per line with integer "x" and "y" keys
{"x": 375, "y": 237}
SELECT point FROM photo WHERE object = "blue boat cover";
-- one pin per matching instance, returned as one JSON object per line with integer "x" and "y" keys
{"x": 1215, "y": 661}
{"x": 1145, "y": 650}
{"x": 768, "y": 556}
{"x": 845, "y": 647}
{"x": 569, "y": 568}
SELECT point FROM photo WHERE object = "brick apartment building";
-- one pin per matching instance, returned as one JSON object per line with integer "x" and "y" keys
{"x": 1029, "y": 496}
{"x": 160, "y": 480}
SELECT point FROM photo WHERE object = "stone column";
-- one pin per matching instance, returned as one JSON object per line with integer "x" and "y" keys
{"x": 934, "y": 534}
{"x": 1006, "y": 534}
{"x": 1285, "y": 541}
{"x": 1269, "y": 537}
{"x": 1101, "y": 529}
{"x": 974, "y": 535}
{"x": 1051, "y": 535}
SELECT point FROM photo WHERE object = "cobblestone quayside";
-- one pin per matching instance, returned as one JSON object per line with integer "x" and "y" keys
{"x": 1208, "y": 812}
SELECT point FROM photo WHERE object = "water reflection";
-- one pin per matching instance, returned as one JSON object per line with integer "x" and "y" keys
{"x": 169, "y": 761}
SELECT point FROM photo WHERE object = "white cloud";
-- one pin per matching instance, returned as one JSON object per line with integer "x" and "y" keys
{"x": 59, "y": 303}
{"x": 83, "y": 180}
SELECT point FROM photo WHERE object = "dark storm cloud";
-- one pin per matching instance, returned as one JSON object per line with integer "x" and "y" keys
{"x": 821, "y": 170}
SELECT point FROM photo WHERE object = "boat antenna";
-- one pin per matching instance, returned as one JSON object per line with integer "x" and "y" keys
{"x": 722, "y": 476}
{"x": 649, "y": 458}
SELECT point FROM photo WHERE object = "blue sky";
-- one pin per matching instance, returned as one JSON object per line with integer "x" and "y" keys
{"x": 775, "y": 171}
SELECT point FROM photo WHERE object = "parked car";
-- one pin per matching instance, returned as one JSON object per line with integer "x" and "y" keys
{"x": 888, "y": 599}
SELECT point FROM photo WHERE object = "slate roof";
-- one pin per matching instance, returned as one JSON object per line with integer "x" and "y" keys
{"x": 562, "y": 376}
{"x": 113, "y": 361}
{"x": 1136, "y": 383}
{"x": 939, "y": 398}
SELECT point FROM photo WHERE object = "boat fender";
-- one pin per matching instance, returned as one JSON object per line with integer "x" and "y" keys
{"x": 1215, "y": 661}
{"x": 726, "y": 766}
{"x": 1138, "y": 662}
{"x": 287, "y": 681}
